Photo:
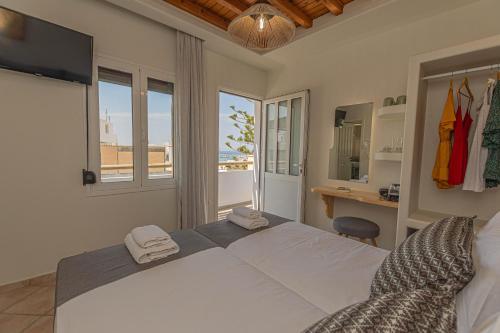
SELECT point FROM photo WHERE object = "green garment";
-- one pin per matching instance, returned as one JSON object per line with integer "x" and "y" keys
{"x": 491, "y": 140}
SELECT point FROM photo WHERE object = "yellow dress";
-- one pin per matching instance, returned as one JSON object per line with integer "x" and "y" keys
{"x": 447, "y": 123}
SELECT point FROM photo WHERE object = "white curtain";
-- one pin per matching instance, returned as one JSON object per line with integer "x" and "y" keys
{"x": 191, "y": 133}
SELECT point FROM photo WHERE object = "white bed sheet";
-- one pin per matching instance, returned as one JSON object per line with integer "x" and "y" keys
{"x": 210, "y": 291}
{"x": 329, "y": 271}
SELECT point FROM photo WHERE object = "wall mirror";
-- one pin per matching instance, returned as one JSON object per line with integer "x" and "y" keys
{"x": 350, "y": 150}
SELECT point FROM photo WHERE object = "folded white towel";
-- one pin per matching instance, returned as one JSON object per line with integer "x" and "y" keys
{"x": 246, "y": 223}
{"x": 149, "y": 235}
{"x": 249, "y": 213}
{"x": 142, "y": 255}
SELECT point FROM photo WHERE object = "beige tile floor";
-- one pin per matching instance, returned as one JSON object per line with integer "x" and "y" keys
{"x": 28, "y": 307}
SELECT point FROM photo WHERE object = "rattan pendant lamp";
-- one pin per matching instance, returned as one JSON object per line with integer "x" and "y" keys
{"x": 262, "y": 27}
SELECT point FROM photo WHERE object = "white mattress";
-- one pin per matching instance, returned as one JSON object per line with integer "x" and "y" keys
{"x": 327, "y": 270}
{"x": 210, "y": 291}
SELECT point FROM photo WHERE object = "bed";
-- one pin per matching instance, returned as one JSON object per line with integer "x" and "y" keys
{"x": 282, "y": 278}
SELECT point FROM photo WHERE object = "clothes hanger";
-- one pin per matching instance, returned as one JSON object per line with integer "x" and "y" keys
{"x": 467, "y": 94}
{"x": 490, "y": 79}
{"x": 465, "y": 84}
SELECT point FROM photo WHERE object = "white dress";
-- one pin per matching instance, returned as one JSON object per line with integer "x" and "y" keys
{"x": 474, "y": 180}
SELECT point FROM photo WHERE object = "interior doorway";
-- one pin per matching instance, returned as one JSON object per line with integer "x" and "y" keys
{"x": 238, "y": 167}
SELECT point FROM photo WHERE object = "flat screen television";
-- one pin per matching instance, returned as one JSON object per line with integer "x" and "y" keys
{"x": 31, "y": 45}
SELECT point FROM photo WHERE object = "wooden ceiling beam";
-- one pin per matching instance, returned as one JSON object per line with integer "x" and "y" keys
{"x": 200, "y": 12}
{"x": 294, "y": 12}
{"x": 336, "y": 7}
{"x": 234, "y": 5}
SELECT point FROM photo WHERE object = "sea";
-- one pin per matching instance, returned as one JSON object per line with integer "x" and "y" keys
{"x": 230, "y": 155}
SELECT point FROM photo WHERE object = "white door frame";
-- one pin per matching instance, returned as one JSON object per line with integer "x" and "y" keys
{"x": 304, "y": 95}
{"x": 257, "y": 142}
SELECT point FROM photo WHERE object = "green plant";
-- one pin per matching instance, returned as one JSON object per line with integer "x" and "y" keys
{"x": 245, "y": 123}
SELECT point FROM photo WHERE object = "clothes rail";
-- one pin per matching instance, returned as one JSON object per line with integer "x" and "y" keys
{"x": 463, "y": 71}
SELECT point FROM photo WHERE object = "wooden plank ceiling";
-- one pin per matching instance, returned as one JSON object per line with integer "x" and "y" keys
{"x": 221, "y": 12}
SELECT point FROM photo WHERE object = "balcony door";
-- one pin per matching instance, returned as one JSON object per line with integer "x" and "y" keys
{"x": 284, "y": 147}
{"x": 238, "y": 175}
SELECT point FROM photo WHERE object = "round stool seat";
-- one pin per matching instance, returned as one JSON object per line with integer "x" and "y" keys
{"x": 356, "y": 227}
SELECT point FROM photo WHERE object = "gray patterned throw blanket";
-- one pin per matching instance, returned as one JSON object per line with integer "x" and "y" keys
{"x": 415, "y": 287}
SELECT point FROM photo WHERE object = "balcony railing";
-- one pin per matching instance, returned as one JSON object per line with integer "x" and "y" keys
{"x": 236, "y": 165}
{"x": 235, "y": 178}
{"x": 111, "y": 167}
{"x": 223, "y": 166}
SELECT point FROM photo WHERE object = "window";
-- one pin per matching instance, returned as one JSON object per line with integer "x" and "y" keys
{"x": 160, "y": 149}
{"x": 131, "y": 127}
{"x": 115, "y": 125}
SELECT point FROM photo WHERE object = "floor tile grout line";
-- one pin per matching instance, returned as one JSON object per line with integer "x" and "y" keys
{"x": 34, "y": 322}
{"x": 27, "y": 314}
{"x": 22, "y": 299}
{"x": 30, "y": 325}
{"x": 36, "y": 318}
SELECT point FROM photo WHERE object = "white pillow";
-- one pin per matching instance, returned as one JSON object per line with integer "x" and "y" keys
{"x": 471, "y": 299}
{"x": 480, "y": 299}
{"x": 491, "y": 325}
{"x": 491, "y": 306}
{"x": 488, "y": 244}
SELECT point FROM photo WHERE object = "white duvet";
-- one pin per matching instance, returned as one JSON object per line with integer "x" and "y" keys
{"x": 210, "y": 292}
{"x": 329, "y": 271}
{"x": 282, "y": 279}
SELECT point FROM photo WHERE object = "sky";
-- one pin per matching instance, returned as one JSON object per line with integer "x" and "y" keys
{"x": 117, "y": 100}
{"x": 226, "y": 126}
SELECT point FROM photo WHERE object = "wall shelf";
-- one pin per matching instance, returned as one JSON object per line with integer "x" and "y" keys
{"x": 392, "y": 112}
{"x": 394, "y": 157}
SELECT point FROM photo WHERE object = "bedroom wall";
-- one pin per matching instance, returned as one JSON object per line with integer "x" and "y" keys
{"x": 45, "y": 212}
{"x": 364, "y": 60}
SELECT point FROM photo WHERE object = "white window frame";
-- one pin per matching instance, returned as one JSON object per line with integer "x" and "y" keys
{"x": 146, "y": 73}
{"x": 140, "y": 74}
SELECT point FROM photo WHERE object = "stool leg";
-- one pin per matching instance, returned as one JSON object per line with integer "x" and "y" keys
{"x": 374, "y": 242}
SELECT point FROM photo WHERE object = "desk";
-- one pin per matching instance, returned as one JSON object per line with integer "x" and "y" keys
{"x": 328, "y": 194}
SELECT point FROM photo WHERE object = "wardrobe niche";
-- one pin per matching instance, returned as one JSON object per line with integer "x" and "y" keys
{"x": 421, "y": 201}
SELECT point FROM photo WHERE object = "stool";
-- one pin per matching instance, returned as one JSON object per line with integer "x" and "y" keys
{"x": 357, "y": 227}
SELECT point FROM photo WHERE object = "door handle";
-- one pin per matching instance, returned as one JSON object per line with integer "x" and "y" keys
{"x": 302, "y": 168}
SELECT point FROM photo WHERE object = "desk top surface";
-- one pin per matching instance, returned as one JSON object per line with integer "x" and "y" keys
{"x": 372, "y": 198}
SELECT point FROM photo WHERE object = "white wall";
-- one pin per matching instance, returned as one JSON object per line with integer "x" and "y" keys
{"x": 235, "y": 187}
{"x": 45, "y": 212}
{"x": 364, "y": 60}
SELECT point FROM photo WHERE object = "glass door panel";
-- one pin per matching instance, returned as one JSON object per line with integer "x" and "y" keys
{"x": 296, "y": 114}
{"x": 270, "y": 137}
{"x": 283, "y": 137}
